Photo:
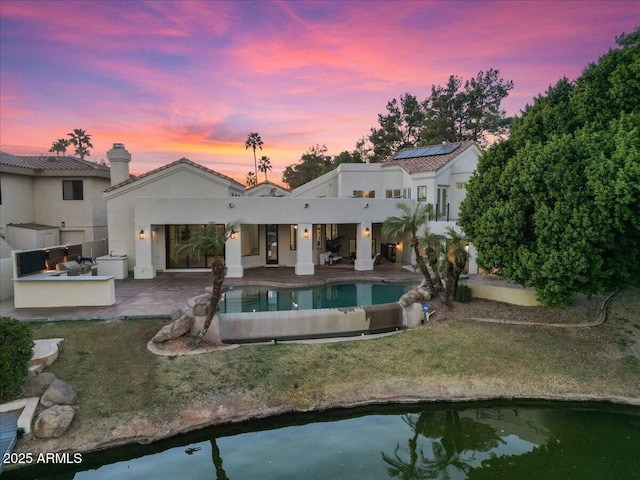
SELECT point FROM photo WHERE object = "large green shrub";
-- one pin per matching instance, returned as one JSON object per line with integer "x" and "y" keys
{"x": 16, "y": 347}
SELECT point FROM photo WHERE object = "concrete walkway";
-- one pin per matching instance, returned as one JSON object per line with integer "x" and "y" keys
{"x": 158, "y": 296}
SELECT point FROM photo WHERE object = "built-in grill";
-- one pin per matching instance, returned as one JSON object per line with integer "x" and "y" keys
{"x": 73, "y": 268}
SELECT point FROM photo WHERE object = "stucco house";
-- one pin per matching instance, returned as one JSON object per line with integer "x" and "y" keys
{"x": 51, "y": 200}
{"x": 150, "y": 214}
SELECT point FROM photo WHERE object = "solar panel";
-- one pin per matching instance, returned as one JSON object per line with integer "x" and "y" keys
{"x": 405, "y": 154}
{"x": 448, "y": 148}
{"x": 428, "y": 151}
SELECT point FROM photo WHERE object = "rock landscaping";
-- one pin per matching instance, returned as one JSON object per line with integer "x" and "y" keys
{"x": 53, "y": 412}
{"x": 54, "y": 421}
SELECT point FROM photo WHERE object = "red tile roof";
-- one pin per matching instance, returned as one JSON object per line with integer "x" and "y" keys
{"x": 49, "y": 162}
{"x": 431, "y": 163}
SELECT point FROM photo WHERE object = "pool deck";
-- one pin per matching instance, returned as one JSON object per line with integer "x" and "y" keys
{"x": 158, "y": 296}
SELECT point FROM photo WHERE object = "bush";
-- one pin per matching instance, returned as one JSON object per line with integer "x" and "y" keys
{"x": 463, "y": 293}
{"x": 16, "y": 349}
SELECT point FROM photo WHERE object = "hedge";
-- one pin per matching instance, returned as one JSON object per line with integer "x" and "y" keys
{"x": 16, "y": 349}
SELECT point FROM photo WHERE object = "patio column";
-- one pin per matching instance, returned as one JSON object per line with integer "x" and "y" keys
{"x": 144, "y": 253}
{"x": 233, "y": 255}
{"x": 304, "y": 252}
{"x": 363, "y": 247}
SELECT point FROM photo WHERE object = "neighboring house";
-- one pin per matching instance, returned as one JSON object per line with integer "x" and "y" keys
{"x": 149, "y": 215}
{"x": 267, "y": 189}
{"x": 51, "y": 200}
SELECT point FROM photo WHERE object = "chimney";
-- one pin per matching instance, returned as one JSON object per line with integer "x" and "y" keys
{"x": 119, "y": 159}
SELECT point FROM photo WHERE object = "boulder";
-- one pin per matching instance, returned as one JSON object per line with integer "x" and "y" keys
{"x": 54, "y": 421}
{"x": 425, "y": 293}
{"x": 36, "y": 385}
{"x": 175, "y": 329}
{"x": 176, "y": 314}
{"x": 413, "y": 291}
{"x": 407, "y": 299}
{"x": 201, "y": 307}
{"x": 58, "y": 393}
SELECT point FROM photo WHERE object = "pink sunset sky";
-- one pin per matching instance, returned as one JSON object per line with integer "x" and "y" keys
{"x": 193, "y": 78}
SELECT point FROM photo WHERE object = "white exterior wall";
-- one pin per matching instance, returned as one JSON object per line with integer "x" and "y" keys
{"x": 124, "y": 226}
{"x": 17, "y": 200}
{"x": 29, "y": 238}
{"x": 348, "y": 177}
{"x": 360, "y": 176}
{"x": 323, "y": 186}
{"x": 461, "y": 172}
{"x": 6, "y": 270}
{"x": 149, "y": 211}
{"x": 85, "y": 220}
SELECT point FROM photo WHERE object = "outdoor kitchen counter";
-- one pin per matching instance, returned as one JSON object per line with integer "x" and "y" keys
{"x": 56, "y": 289}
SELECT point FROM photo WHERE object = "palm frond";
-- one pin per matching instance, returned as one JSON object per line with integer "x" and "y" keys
{"x": 411, "y": 221}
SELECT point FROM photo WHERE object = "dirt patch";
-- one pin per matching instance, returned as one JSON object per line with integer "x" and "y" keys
{"x": 581, "y": 310}
{"x": 184, "y": 346}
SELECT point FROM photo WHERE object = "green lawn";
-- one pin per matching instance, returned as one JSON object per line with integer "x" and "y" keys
{"x": 119, "y": 381}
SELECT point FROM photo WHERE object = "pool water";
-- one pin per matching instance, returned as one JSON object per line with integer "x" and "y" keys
{"x": 333, "y": 295}
{"x": 446, "y": 441}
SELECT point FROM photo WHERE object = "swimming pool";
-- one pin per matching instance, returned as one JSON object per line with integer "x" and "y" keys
{"x": 331, "y": 295}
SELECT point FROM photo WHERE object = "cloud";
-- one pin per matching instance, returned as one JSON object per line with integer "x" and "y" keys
{"x": 192, "y": 78}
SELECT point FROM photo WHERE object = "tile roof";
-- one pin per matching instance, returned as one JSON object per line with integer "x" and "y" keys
{"x": 49, "y": 162}
{"x": 431, "y": 163}
{"x": 267, "y": 182}
{"x": 185, "y": 161}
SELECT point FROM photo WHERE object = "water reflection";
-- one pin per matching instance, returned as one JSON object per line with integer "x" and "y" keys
{"x": 450, "y": 444}
{"x": 332, "y": 295}
{"x": 480, "y": 442}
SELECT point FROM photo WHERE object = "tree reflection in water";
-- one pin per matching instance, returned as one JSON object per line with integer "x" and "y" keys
{"x": 217, "y": 461}
{"x": 452, "y": 443}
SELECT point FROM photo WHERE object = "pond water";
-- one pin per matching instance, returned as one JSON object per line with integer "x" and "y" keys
{"x": 331, "y": 295}
{"x": 471, "y": 441}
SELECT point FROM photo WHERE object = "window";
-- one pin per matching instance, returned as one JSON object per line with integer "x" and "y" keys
{"x": 461, "y": 185}
{"x": 177, "y": 235}
{"x": 364, "y": 193}
{"x": 72, "y": 190}
{"x": 397, "y": 193}
{"x": 250, "y": 240}
{"x": 293, "y": 241}
{"x": 422, "y": 193}
{"x": 442, "y": 206}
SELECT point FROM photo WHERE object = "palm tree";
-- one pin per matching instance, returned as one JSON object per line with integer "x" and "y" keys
{"x": 410, "y": 222}
{"x": 82, "y": 141}
{"x": 433, "y": 248}
{"x": 254, "y": 141}
{"x": 251, "y": 180}
{"x": 456, "y": 261}
{"x": 264, "y": 166}
{"x": 59, "y": 146}
{"x": 210, "y": 241}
